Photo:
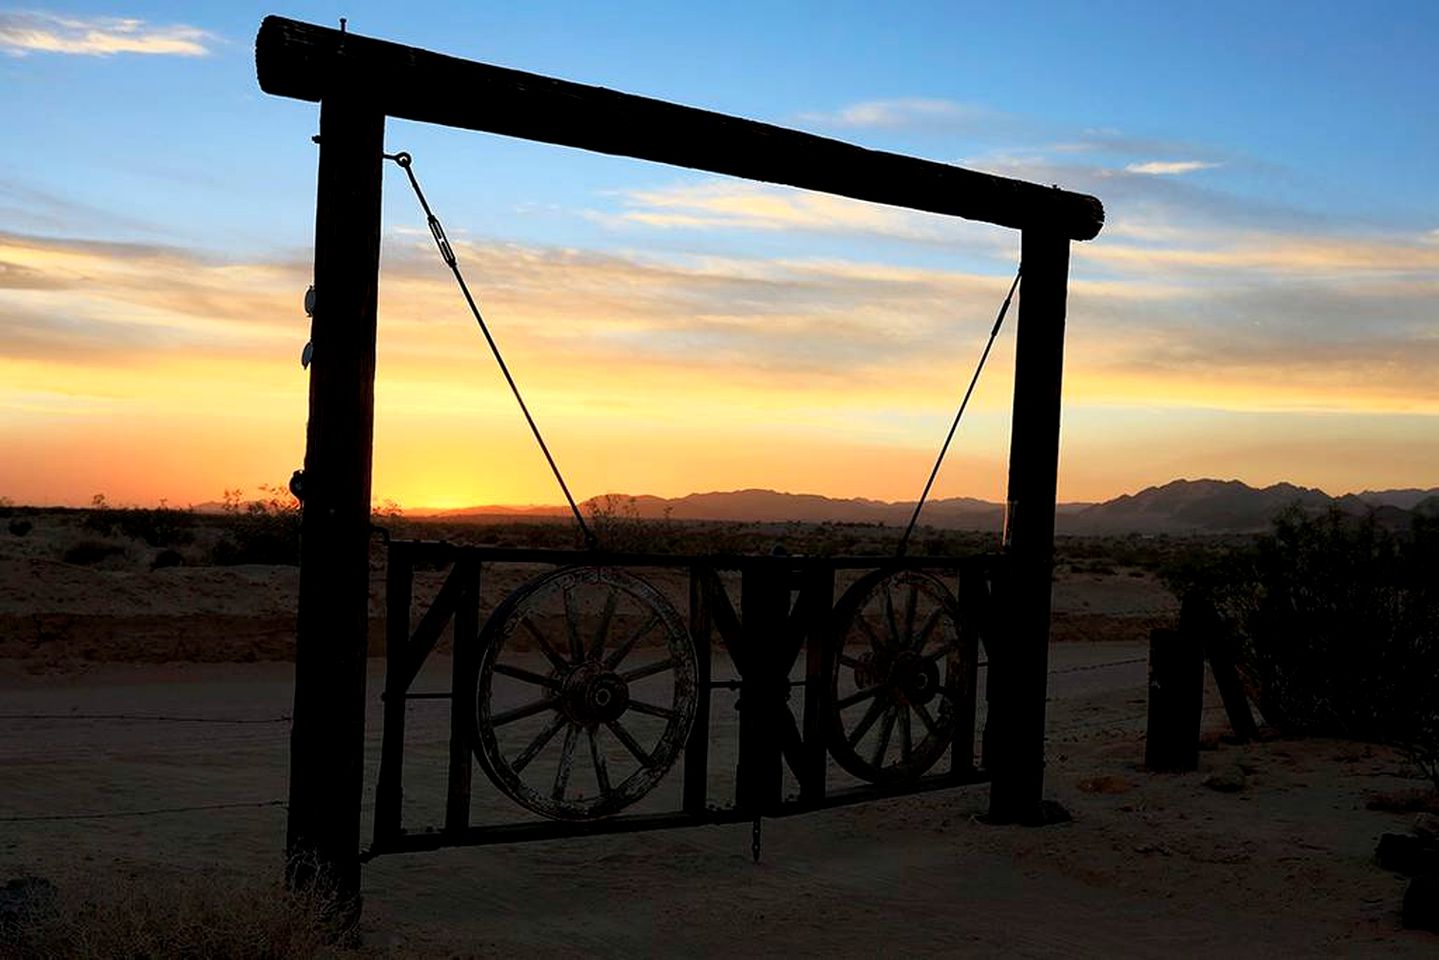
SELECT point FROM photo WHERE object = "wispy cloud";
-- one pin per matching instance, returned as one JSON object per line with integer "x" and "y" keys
{"x": 730, "y": 205}
{"x": 1169, "y": 168}
{"x": 774, "y": 353}
{"x": 1245, "y": 310}
{"x": 1162, "y": 232}
{"x": 1241, "y": 256}
{"x": 903, "y": 112}
{"x": 24, "y": 32}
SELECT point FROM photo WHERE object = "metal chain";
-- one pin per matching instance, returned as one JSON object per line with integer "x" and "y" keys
{"x": 405, "y": 162}
{"x": 998, "y": 322}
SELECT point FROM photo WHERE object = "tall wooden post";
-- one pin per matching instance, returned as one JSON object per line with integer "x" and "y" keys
{"x": 327, "y": 739}
{"x": 1020, "y": 657}
{"x": 764, "y": 610}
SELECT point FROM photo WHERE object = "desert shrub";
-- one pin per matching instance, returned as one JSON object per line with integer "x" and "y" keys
{"x": 20, "y": 526}
{"x": 264, "y": 531}
{"x": 86, "y": 553}
{"x": 158, "y": 914}
{"x": 157, "y": 527}
{"x": 1337, "y": 621}
{"x": 617, "y": 525}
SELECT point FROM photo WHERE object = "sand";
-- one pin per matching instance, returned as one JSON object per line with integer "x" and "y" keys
{"x": 1152, "y": 865}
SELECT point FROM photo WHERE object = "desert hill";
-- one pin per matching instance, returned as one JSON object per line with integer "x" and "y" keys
{"x": 1180, "y": 506}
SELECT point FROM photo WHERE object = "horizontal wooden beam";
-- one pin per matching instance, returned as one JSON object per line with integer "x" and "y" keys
{"x": 308, "y": 62}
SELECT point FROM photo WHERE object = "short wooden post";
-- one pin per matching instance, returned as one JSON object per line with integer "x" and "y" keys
{"x": 327, "y": 739}
{"x": 1176, "y": 701}
{"x": 1021, "y": 679}
{"x": 1199, "y": 618}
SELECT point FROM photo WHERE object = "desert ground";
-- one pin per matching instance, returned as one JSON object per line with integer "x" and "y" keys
{"x": 145, "y": 726}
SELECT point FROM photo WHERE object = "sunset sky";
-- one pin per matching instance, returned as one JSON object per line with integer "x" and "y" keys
{"x": 1263, "y": 303}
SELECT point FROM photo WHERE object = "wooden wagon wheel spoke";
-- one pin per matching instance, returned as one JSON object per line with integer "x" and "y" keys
{"x": 926, "y": 719}
{"x": 648, "y": 670}
{"x": 623, "y": 650}
{"x": 597, "y": 645}
{"x": 897, "y": 646}
{"x": 857, "y": 697}
{"x": 529, "y": 710}
{"x": 602, "y": 772}
{"x": 551, "y": 654}
{"x": 894, "y": 638}
{"x": 875, "y": 643}
{"x": 572, "y": 627}
{"x": 925, "y": 631}
{"x": 528, "y": 676}
{"x": 639, "y": 706}
{"x": 584, "y": 690}
{"x": 910, "y": 602}
{"x": 566, "y": 764}
{"x": 875, "y": 711}
{"x": 538, "y": 743}
{"x": 631, "y": 744}
{"x": 886, "y": 730}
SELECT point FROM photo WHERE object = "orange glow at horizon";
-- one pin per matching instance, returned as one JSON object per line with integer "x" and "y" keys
{"x": 175, "y": 378}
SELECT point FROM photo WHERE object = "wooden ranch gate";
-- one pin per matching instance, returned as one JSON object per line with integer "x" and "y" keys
{"x": 359, "y": 82}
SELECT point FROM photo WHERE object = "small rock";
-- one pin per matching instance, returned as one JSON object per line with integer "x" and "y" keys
{"x": 1421, "y": 904}
{"x": 1227, "y": 781}
{"x": 1105, "y": 784}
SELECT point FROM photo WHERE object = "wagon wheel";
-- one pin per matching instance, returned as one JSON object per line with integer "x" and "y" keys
{"x": 585, "y": 693}
{"x": 897, "y": 681}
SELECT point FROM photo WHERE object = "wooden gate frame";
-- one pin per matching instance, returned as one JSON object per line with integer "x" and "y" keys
{"x": 358, "y": 82}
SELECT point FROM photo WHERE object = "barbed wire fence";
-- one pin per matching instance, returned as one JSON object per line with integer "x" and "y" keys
{"x": 285, "y": 719}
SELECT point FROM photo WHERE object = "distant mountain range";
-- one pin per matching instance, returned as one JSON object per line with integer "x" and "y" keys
{"x": 1181, "y": 506}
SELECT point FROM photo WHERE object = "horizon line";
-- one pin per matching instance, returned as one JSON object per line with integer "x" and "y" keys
{"x": 381, "y": 502}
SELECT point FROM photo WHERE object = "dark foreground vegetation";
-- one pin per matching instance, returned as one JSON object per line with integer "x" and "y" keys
{"x": 152, "y": 913}
{"x": 1337, "y": 620}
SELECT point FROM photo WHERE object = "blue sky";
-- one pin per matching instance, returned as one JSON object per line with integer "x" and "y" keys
{"x": 1261, "y": 305}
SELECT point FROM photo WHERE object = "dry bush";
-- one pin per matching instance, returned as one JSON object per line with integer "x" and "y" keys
{"x": 263, "y": 531}
{"x": 157, "y": 527}
{"x": 1337, "y": 618}
{"x": 159, "y": 913}
{"x": 88, "y": 553}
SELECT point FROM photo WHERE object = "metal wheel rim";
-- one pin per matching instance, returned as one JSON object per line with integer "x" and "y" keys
{"x": 586, "y": 691}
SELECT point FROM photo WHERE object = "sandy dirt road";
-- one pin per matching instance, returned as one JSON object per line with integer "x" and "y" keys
{"x": 1152, "y": 865}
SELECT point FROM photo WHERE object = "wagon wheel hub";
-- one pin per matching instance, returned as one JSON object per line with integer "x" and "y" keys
{"x": 913, "y": 678}
{"x": 593, "y": 695}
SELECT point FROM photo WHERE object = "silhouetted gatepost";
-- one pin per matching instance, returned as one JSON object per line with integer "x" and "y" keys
{"x": 359, "y": 82}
